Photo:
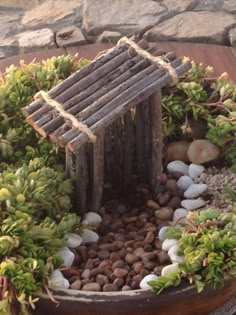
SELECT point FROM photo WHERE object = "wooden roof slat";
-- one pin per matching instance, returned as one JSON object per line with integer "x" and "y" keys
{"x": 100, "y": 92}
{"x": 74, "y": 78}
{"x": 115, "y": 96}
{"x": 123, "y": 108}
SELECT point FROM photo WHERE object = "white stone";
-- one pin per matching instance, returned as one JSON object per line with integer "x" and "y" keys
{"x": 144, "y": 283}
{"x": 170, "y": 268}
{"x": 180, "y": 213}
{"x": 184, "y": 182}
{"x": 178, "y": 166}
{"x": 67, "y": 255}
{"x": 193, "y": 204}
{"x": 73, "y": 240}
{"x": 34, "y": 40}
{"x": 89, "y": 236}
{"x": 195, "y": 170}
{"x": 168, "y": 243}
{"x": 195, "y": 190}
{"x": 58, "y": 281}
{"x": 162, "y": 233}
{"x": 93, "y": 218}
{"x": 174, "y": 257}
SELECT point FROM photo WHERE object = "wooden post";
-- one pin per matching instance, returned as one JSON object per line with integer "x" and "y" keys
{"x": 128, "y": 148}
{"x": 147, "y": 139}
{"x": 70, "y": 164}
{"x": 98, "y": 172}
{"x": 156, "y": 135}
{"x": 81, "y": 179}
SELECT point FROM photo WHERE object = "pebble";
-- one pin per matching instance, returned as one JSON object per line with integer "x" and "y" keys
{"x": 164, "y": 213}
{"x": 89, "y": 236}
{"x": 168, "y": 243}
{"x": 67, "y": 255}
{"x": 180, "y": 213}
{"x": 163, "y": 257}
{"x": 177, "y": 151}
{"x": 195, "y": 170}
{"x": 101, "y": 279}
{"x": 76, "y": 285}
{"x": 162, "y": 233}
{"x": 178, "y": 166}
{"x": 103, "y": 254}
{"x": 85, "y": 274}
{"x": 184, "y": 182}
{"x": 92, "y": 218}
{"x": 110, "y": 287}
{"x": 201, "y": 151}
{"x": 195, "y": 190}
{"x": 57, "y": 281}
{"x": 164, "y": 198}
{"x": 174, "y": 202}
{"x": 169, "y": 268}
{"x": 119, "y": 282}
{"x": 174, "y": 257}
{"x": 139, "y": 251}
{"x": 126, "y": 288}
{"x": 131, "y": 258}
{"x": 73, "y": 240}
{"x": 152, "y": 204}
{"x": 120, "y": 272}
{"x": 93, "y": 286}
{"x": 193, "y": 204}
{"x": 150, "y": 237}
{"x": 144, "y": 283}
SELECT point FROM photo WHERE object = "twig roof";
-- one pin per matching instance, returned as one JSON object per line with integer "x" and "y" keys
{"x": 101, "y": 92}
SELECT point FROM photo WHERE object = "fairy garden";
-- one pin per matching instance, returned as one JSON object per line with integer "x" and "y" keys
{"x": 138, "y": 238}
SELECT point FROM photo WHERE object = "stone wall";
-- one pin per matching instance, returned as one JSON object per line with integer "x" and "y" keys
{"x": 29, "y": 25}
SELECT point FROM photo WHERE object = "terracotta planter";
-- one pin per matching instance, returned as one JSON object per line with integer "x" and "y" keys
{"x": 177, "y": 301}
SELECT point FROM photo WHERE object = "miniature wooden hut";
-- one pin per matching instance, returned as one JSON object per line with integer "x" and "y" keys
{"x": 116, "y": 99}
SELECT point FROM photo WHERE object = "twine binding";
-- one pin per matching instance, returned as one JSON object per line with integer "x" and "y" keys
{"x": 154, "y": 59}
{"x": 75, "y": 123}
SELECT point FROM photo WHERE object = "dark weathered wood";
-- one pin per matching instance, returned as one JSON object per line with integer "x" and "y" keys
{"x": 81, "y": 79}
{"x": 117, "y": 153}
{"x": 81, "y": 179}
{"x": 96, "y": 106}
{"x": 80, "y": 86}
{"x": 98, "y": 172}
{"x": 70, "y": 164}
{"x": 109, "y": 164}
{"x": 144, "y": 108}
{"x": 54, "y": 124}
{"x": 155, "y": 77}
{"x": 128, "y": 148}
{"x": 156, "y": 136}
{"x": 137, "y": 97}
{"x": 139, "y": 141}
{"x": 67, "y": 83}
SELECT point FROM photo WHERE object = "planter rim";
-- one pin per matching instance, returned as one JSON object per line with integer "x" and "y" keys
{"x": 85, "y": 296}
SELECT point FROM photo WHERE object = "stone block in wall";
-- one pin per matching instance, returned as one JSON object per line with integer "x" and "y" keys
{"x": 109, "y": 37}
{"x": 36, "y": 40}
{"x": 70, "y": 36}
{"x": 55, "y": 14}
{"x": 124, "y": 16}
{"x": 9, "y": 47}
{"x": 203, "y": 27}
{"x": 18, "y": 4}
{"x": 232, "y": 37}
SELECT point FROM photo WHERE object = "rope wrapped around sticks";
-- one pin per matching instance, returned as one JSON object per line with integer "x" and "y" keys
{"x": 75, "y": 122}
{"x": 154, "y": 59}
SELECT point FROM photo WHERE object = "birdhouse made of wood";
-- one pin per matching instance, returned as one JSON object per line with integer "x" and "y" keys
{"x": 109, "y": 118}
